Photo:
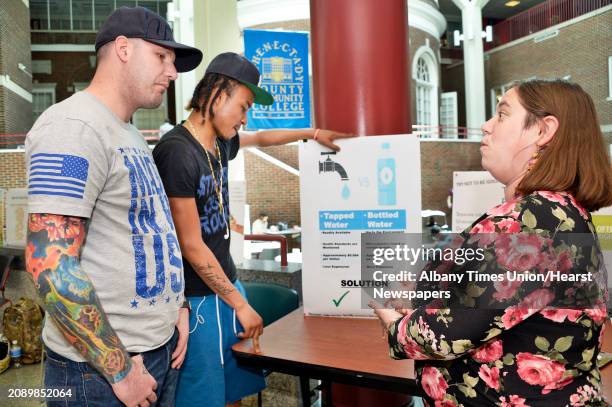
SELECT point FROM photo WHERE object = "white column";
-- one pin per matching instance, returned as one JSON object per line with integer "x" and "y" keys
{"x": 211, "y": 26}
{"x": 473, "y": 62}
{"x": 216, "y": 31}
{"x": 180, "y": 13}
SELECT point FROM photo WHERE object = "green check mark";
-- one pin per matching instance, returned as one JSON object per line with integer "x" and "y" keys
{"x": 337, "y": 302}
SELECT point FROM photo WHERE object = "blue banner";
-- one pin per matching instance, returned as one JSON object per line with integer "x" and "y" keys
{"x": 282, "y": 60}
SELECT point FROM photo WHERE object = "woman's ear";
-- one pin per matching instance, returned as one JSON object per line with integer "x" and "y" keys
{"x": 548, "y": 128}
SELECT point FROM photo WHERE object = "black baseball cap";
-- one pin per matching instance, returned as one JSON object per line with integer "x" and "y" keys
{"x": 139, "y": 22}
{"x": 244, "y": 71}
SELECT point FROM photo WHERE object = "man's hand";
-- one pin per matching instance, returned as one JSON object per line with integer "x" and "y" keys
{"x": 138, "y": 387}
{"x": 252, "y": 324}
{"x": 327, "y": 137}
{"x": 178, "y": 356}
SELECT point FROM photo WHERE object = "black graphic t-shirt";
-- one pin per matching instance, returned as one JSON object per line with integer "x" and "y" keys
{"x": 185, "y": 172}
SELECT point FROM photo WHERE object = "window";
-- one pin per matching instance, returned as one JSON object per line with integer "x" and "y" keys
{"x": 43, "y": 96}
{"x": 42, "y": 66}
{"x": 150, "y": 4}
{"x": 59, "y": 14}
{"x": 425, "y": 75}
{"x": 125, "y": 3}
{"x": 39, "y": 15}
{"x": 102, "y": 9}
{"x": 82, "y": 15}
{"x": 448, "y": 115}
{"x": 151, "y": 119}
{"x": 423, "y": 93}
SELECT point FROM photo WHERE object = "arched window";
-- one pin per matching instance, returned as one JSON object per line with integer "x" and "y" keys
{"x": 423, "y": 93}
{"x": 425, "y": 75}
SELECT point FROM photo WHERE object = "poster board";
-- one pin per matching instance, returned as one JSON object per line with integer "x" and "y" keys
{"x": 474, "y": 193}
{"x": 602, "y": 219}
{"x": 16, "y": 216}
{"x": 372, "y": 185}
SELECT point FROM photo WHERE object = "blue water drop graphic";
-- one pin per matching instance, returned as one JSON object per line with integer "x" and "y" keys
{"x": 346, "y": 192}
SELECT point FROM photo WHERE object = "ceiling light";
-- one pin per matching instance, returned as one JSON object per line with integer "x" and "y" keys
{"x": 513, "y": 3}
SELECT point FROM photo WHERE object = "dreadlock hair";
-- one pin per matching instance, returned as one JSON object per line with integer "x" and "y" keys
{"x": 210, "y": 87}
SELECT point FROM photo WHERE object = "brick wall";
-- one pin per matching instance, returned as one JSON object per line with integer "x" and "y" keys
{"x": 15, "y": 112}
{"x": 67, "y": 68}
{"x": 272, "y": 190}
{"x": 277, "y": 193}
{"x": 580, "y": 50}
{"x": 439, "y": 159}
{"x": 453, "y": 80}
{"x": 12, "y": 170}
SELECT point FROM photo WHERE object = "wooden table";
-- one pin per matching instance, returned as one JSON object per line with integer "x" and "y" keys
{"x": 345, "y": 350}
{"x": 339, "y": 350}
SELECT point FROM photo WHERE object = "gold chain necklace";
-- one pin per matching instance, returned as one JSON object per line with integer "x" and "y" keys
{"x": 218, "y": 186}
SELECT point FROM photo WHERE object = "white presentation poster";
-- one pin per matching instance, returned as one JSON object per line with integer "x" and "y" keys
{"x": 237, "y": 195}
{"x": 602, "y": 219}
{"x": 372, "y": 185}
{"x": 474, "y": 193}
{"x": 16, "y": 216}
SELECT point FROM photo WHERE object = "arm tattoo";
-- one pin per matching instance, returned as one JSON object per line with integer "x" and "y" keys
{"x": 215, "y": 278}
{"x": 53, "y": 258}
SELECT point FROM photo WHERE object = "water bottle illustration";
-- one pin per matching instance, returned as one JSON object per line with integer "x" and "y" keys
{"x": 386, "y": 177}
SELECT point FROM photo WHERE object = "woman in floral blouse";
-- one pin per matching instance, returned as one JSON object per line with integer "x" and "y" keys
{"x": 513, "y": 343}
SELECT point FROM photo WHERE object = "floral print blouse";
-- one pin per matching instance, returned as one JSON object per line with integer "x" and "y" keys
{"x": 523, "y": 352}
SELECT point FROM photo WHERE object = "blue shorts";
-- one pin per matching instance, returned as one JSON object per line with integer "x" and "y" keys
{"x": 210, "y": 374}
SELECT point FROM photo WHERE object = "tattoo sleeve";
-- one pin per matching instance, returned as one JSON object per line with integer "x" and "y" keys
{"x": 53, "y": 258}
{"x": 215, "y": 278}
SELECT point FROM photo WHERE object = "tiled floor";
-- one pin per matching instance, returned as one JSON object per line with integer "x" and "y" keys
{"x": 19, "y": 285}
{"x": 28, "y": 376}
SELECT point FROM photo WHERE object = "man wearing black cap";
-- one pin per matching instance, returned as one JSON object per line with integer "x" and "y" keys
{"x": 102, "y": 247}
{"x": 193, "y": 162}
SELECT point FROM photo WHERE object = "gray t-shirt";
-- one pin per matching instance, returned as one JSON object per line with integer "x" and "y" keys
{"x": 82, "y": 160}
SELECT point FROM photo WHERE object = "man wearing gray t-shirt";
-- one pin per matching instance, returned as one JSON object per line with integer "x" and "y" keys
{"x": 102, "y": 247}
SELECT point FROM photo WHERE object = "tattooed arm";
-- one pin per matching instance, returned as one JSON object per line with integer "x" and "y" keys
{"x": 53, "y": 258}
{"x": 204, "y": 262}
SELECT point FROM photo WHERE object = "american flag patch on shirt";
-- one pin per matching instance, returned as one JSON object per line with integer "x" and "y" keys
{"x": 58, "y": 174}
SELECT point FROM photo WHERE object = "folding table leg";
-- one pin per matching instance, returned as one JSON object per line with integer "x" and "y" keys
{"x": 305, "y": 390}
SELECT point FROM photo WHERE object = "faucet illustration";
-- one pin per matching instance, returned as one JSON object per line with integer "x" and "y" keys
{"x": 329, "y": 165}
